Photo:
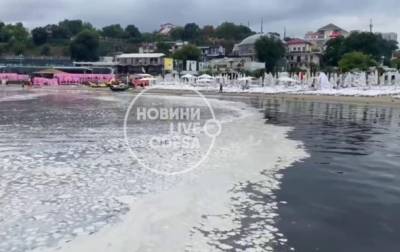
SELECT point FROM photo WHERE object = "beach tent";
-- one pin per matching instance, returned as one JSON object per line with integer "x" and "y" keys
{"x": 324, "y": 82}
{"x": 188, "y": 76}
{"x": 206, "y": 76}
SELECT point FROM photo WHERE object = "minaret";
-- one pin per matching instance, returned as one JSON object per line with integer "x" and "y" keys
{"x": 284, "y": 32}
{"x": 262, "y": 25}
{"x": 371, "y": 26}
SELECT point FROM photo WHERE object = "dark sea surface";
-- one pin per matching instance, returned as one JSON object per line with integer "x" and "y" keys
{"x": 346, "y": 196}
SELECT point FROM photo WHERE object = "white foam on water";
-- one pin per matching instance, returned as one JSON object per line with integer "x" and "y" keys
{"x": 21, "y": 97}
{"x": 205, "y": 210}
{"x": 105, "y": 98}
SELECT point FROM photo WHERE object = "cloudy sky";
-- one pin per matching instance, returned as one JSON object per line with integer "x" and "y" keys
{"x": 298, "y": 16}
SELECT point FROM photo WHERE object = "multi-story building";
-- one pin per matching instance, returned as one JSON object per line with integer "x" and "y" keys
{"x": 140, "y": 62}
{"x": 211, "y": 52}
{"x": 148, "y": 48}
{"x": 325, "y": 33}
{"x": 301, "y": 54}
{"x": 165, "y": 29}
{"x": 175, "y": 46}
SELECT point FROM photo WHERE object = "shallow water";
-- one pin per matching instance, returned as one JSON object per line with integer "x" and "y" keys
{"x": 346, "y": 196}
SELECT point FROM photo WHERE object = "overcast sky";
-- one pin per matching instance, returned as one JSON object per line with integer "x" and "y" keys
{"x": 298, "y": 16}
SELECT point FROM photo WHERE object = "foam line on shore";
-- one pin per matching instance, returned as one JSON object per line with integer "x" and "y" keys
{"x": 208, "y": 200}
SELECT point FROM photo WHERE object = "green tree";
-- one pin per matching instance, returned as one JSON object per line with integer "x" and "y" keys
{"x": 17, "y": 47}
{"x": 58, "y": 33}
{"x": 45, "y": 51}
{"x": 356, "y": 60}
{"x": 133, "y": 33}
{"x": 113, "y": 31}
{"x": 396, "y": 63}
{"x": 207, "y": 33}
{"x": 72, "y": 27}
{"x": 39, "y": 36}
{"x": 365, "y": 42}
{"x": 4, "y": 33}
{"x": 191, "y": 32}
{"x": 334, "y": 51}
{"x": 85, "y": 46}
{"x": 17, "y": 38}
{"x": 230, "y": 31}
{"x": 18, "y": 31}
{"x": 163, "y": 47}
{"x": 177, "y": 33}
{"x": 187, "y": 52}
{"x": 270, "y": 51}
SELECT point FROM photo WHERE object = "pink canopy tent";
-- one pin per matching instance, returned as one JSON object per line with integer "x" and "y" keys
{"x": 67, "y": 78}
{"x": 13, "y": 77}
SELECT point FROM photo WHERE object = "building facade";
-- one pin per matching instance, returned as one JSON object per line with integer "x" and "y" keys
{"x": 211, "y": 52}
{"x": 302, "y": 55}
{"x": 148, "y": 48}
{"x": 151, "y": 63}
{"x": 324, "y": 34}
{"x": 246, "y": 48}
{"x": 166, "y": 28}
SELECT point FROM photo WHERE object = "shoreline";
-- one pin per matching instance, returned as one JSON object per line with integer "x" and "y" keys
{"x": 379, "y": 100}
{"x": 367, "y": 100}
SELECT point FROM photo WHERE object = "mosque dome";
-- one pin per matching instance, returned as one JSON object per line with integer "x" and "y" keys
{"x": 251, "y": 40}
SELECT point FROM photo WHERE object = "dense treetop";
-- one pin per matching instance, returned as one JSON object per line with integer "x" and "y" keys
{"x": 57, "y": 39}
{"x": 82, "y": 41}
